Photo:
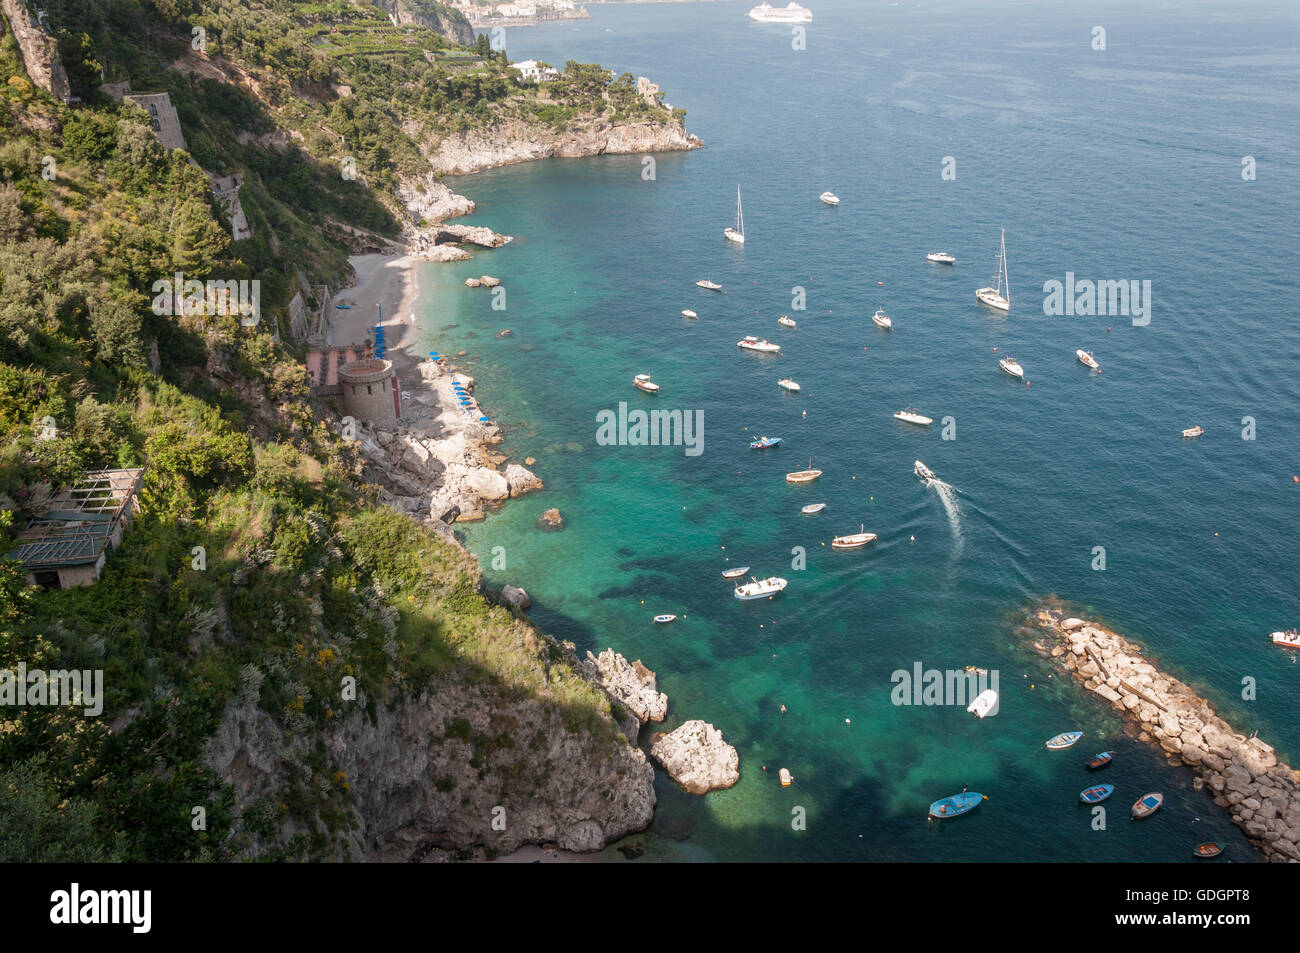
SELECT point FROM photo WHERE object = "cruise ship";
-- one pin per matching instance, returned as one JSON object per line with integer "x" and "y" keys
{"x": 793, "y": 13}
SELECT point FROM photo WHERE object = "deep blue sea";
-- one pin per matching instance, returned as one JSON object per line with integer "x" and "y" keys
{"x": 1116, "y": 164}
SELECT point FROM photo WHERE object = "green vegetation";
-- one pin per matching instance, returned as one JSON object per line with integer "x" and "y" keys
{"x": 259, "y": 572}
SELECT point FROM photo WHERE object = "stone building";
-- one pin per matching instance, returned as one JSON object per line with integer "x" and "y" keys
{"x": 371, "y": 392}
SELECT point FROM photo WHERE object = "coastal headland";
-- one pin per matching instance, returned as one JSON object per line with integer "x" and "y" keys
{"x": 1242, "y": 773}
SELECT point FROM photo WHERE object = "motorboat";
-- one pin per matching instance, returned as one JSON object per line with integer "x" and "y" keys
{"x": 853, "y": 540}
{"x": 1012, "y": 367}
{"x": 829, "y": 198}
{"x": 922, "y": 471}
{"x": 643, "y": 382}
{"x": 786, "y": 383}
{"x": 762, "y": 345}
{"x": 912, "y": 416}
{"x": 763, "y": 443}
{"x": 1289, "y": 639}
{"x": 787, "y": 322}
{"x": 665, "y": 618}
{"x": 803, "y": 476}
{"x": 708, "y": 285}
{"x": 812, "y": 508}
{"x": 1064, "y": 740}
{"x": 761, "y": 588}
{"x": 941, "y": 258}
{"x": 883, "y": 320}
{"x": 1193, "y": 432}
{"x": 998, "y": 297}
{"x": 785, "y": 776}
{"x": 984, "y": 703}
{"x": 1086, "y": 358}
{"x": 1147, "y": 805}
{"x": 688, "y": 313}
{"x": 734, "y": 573}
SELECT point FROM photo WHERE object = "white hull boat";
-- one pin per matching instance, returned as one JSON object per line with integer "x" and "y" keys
{"x": 661, "y": 619}
{"x": 829, "y": 198}
{"x": 883, "y": 320}
{"x": 787, "y": 322}
{"x": 761, "y": 588}
{"x": 998, "y": 297}
{"x": 1086, "y": 359}
{"x": 643, "y": 382}
{"x": 786, "y": 384}
{"x": 912, "y": 416}
{"x": 941, "y": 258}
{"x": 984, "y": 703}
{"x": 689, "y": 314}
{"x": 734, "y": 573}
{"x": 1192, "y": 432}
{"x": 921, "y": 470}
{"x": 791, "y": 13}
{"x": 853, "y": 540}
{"x": 708, "y": 285}
{"x": 762, "y": 345}
{"x": 803, "y": 476}
{"x": 812, "y": 508}
{"x": 737, "y": 235}
{"x": 1010, "y": 366}
{"x": 1289, "y": 639}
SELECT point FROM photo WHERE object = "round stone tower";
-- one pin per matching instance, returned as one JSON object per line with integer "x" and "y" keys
{"x": 371, "y": 393}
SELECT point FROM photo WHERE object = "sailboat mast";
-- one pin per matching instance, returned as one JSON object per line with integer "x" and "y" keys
{"x": 1005, "y": 274}
{"x": 740, "y": 213}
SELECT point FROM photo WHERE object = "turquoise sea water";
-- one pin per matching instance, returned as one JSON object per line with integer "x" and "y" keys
{"x": 1122, "y": 164}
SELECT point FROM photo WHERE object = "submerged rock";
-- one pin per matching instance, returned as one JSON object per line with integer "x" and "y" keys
{"x": 551, "y": 520}
{"x": 696, "y": 757}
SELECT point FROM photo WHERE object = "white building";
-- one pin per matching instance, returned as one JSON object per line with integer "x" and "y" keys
{"x": 533, "y": 72}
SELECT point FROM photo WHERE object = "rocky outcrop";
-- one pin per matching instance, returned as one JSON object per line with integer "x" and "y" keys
{"x": 516, "y": 598}
{"x": 696, "y": 757}
{"x": 512, "y": 141}
{"x": 630, "y": 684}
{"x": 1242, "y": 773}
{"x": 521, "y": 480}
{"x": 551, "y": 520}
{"x": 39, "y": 50}
{"x": 437, "y": 771}
{"x": 439, "y": 17}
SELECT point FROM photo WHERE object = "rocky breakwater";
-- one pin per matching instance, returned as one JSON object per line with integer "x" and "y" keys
{"x": 697, "y": 757}
{"x": 437, "y": 464}
{"x": 1242, "y": 773}
{"x": 510, "y": 141}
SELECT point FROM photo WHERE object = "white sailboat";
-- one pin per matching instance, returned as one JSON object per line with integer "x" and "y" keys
{"x": 999, "y": 297}
{"x": 737, "y": 234}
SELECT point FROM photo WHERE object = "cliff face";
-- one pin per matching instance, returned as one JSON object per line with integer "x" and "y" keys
{"x": 40, "y": 52}
{"x": 515, "y": 141}
{"x": 449, "y": 22}
{"x": 464, "y": 765}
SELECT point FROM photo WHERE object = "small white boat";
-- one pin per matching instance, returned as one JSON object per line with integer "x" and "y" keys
{"x": 803, "y": 476}
{"x": 643, "y": 382}
{"x": 984, "y": 702}
{"x": 762, "y": 345}
{"x": 883, "y": 320}
{"x": 708, "y": 285}
{"x": 786, "y": 777}
{"x": 761, "y": 588}
{"x": 734, "y": 573}
{"x": 689, "y": 314}
{"x": 1193, "y": 432}
{"x": 1289, "y": 639}
{"x": 665, "y": 618}
{"x": 1012, "y": 367}
{"x": 1000, "y": 296}
{"x": 786, "y": 321}
{"x": 924, "y": 472}
{"x": 912, "y": 416}
{"x": 941, "y": 258}
{"x": 786, "y": 383}
{"x": 853, "y": 540}
{"x": 737, "y": 234}
{"x": 1086, "y": 358}
{"x": 829, "y": 198}
{"x": 812, "y": 508}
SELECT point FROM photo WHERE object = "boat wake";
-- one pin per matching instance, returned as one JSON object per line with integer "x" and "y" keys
{"x": 948, "y": 497}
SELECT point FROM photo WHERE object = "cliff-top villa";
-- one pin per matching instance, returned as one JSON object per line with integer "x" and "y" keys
{"x": 67, "y": 544}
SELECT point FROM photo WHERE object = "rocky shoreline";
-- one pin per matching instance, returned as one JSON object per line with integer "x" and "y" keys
{"x": 1242, "y": 773}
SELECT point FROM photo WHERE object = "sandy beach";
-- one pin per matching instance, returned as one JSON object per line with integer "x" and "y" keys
{"x": 384, "y": 293}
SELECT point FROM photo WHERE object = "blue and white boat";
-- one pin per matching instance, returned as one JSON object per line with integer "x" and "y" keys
{"x": 762, "y": 443}
{"x": 1147, "y": 805}
{"x": 1097, "y": 793}
{"x": 955, "y": 805}
{"x": 1064, "y": 740}
{"x": 1100, "y": 760}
